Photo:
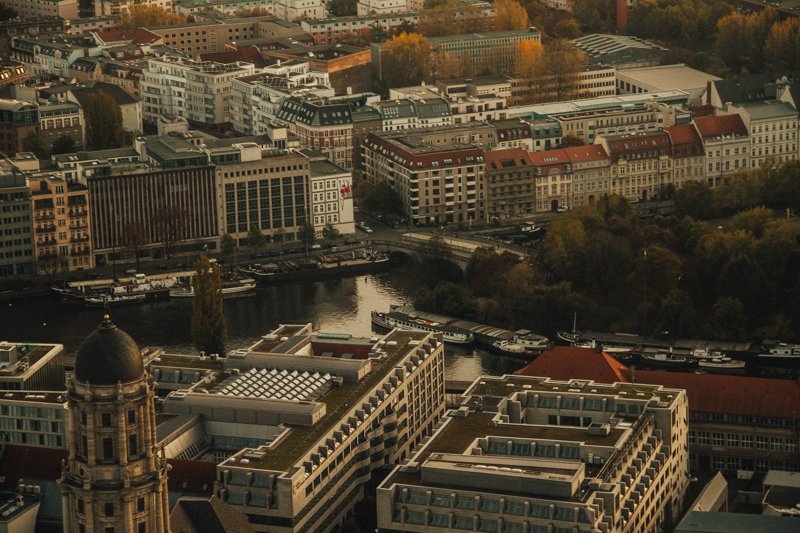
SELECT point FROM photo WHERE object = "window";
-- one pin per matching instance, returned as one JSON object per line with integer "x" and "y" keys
{"x": 81, "y": 507}
{"x": 133, "y": 445}
{"x": 108, "y": 449}
{"x": 109, "y": 508}
{"x": 131, "y": 417}
{"x": 142, "y": 527}
{"x": 106, "y": 420}
{"x": 140, "y": 505}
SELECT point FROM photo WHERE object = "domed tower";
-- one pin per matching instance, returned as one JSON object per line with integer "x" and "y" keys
{"x": 114, "y": 480}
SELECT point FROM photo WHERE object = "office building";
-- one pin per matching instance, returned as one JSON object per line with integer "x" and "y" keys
{"x": 528, "y": 454}
{"x": 31, "y": 367}
{"x": 62, "y": 224}
{"x": 329, "y": 409}
{"x": 33, "y": 418}
{"x": 67, "y": 9}
{"x": 665, "y": 77}
{"x": 16, "y": 240}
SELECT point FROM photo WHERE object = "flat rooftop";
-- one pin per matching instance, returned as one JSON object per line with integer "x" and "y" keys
{"x": 54, "y": 397}
{"x": 275, "y": 385}
{"x": 677, "y": 76}
{"x": 339, "y": 401}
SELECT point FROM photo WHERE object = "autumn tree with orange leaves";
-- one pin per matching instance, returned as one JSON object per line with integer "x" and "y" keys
{"x": 406, "y": 60}
{"x": 510, "y": 15}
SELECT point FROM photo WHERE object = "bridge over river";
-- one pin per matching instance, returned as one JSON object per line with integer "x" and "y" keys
{"x": 458, "y": 250}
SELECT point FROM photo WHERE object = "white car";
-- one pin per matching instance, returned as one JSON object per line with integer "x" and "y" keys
{"x": 367, "y": 229}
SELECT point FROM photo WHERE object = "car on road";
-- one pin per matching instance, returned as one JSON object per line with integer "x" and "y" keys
{"x": 561, "y": 209}
{"x": 131, "y": 271}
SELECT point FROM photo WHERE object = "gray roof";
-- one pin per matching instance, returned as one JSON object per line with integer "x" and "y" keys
{"x": 89, "y": 87}
{"x": 707, "y": 522}
{"x": 751, "y": 88}
{"x": 108, "y": 356}
{"x": 769, "y": 109}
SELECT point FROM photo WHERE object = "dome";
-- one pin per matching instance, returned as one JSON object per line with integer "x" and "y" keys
{"x": 107, "y": 356}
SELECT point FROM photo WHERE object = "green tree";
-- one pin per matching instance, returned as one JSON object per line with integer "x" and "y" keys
{"x": 329, "y": 232}
{"x": 35, "y": 142}
{"x": 209, "y": 330}
{"x": 694, "y": 199}
{"x": 134, "y": 237}
{"x": 342, "y": 8}
{"x": 63, "y": 145}
{"x": 728, "y": 319}
{"x": 308, "y": 234}
{"x": 384, "y": 200}
{"x": 407, "y": 60}
{"x": 227, "y": 245}
{"x": 677, "y": 315}
{"x": 103, "y": 121}
{"x": 255, "y": 238}
{"x": 754, "y": 221}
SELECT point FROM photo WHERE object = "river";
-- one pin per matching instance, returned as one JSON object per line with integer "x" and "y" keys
{"x": 341, "y": 306}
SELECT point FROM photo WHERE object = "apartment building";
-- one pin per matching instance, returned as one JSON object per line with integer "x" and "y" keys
{"x": 514, "y": 133}
{"x": 553, "y": 174}
{"x": 408, "y": 114}
{"x": 510, "y": 184}
{"x": 67, "y": 9}
{"x": 18, "y": 119}
{"x": 16, "y": 239}
{"x": 619, "y": 120}
{"x": 33, "y": 418}
{"x": 727, "y": 145}
{"x": 62, "y": 119}
{"x": 196, "y": 90}
{"x": 546, "y": 133}
{"x": 331, "y": 195}
{"x": 115, "y": 8}
{"x": 366, "y": 8}
{"x": 323, "y": 124}
{"x": 591, "y": 174}
{"x": 256, "y": 99}
{"x": 213, "y": 32}
{"x": 533, "y": 454}
{"x": 773, "y": 129}
{"x": 641, "y": 164}
{"x": 53, "y": 56}
{"x": 30, "y": 26}
{"x": 439, "y": 182}
{"x": 736, "y": 423}
{"x": 12, "y": 73}
{"x": 477, "y": 106}
{"x": 329, "y": 408}
{"x": 294, "y": 10}
{"x": 331, "y": 30}
{"x": 31, "y": 366}
{"x": 688, "y": 154}
{"x": 62, "y": 224}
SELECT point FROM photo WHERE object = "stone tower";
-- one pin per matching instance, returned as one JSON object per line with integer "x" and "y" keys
{"x": 115, "y": 479}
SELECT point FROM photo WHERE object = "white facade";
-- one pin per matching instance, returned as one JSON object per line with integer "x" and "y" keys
{"x": 196, "y": 90}
{"x": 381, "y": 7}
{"x": 773, "y": 130}
{"x": 331, "y": 197}
{"x": 292, "y": 10}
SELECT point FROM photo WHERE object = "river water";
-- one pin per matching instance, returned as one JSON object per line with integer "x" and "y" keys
{"x": 341, "y": 306}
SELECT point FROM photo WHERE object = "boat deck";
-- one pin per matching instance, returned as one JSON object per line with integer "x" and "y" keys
{"x": 482, "y": 332}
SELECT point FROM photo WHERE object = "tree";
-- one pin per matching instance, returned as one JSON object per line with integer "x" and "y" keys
{"x": 753, "y": 220}
{"x": 342, "y": 8}
{"x": 571, "y": 140}
{"x": 227, "y": 245}
{"x": 407, "y": 60}
{"x": 103, "y": 121}
{"x": 728, "y": 319}
{"x": 567, "y": 29}
{"x": 329, "y": 232}
{"x": 695, "y": 200}
{"x": 35, "y": 142}
{"x": 143, "y": 16}
{"x": 172, "y": 225}
{"x": 563, "y": 61}
{"x": 529, "y": 66}
{"x": 308, "y": 233}
{"x": 255, "y": 238}
{"x": 383, "y": 199}
{"x": 782, "y": 46}
{"x": 510, "y": 15}
{"x": 209, "y": 330}
{"x": 63, "y": 145}
{"x": 134, "y": 237}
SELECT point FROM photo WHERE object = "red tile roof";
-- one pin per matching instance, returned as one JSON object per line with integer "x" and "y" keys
{"x": 590, "y": 152}
{"x": 192, "y": 477}
{"x": 248, "y": 54}
{"x": 134, "y": 36}
{"x": 720, "y": 125}
{"x": 649, "y": 144}
{"x": 506, "y": 158}
{"x": 710, "y": 393}
{"x": 683, "y": 134}
{"x": 568, "y": 362}
{"x": 29, "y": 462}
{"x": 739, "y": 395}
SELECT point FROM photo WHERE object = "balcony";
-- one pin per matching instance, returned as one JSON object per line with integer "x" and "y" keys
{"x": 47, "y": 228}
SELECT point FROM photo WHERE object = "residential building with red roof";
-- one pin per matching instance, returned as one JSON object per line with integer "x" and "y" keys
{"x": 510, "y": 183}
{"x": 641, "y": 163}
{"x": 688, "y": 155}
{"x": 553, "y": 179}
{"x": 735, "y": 422}
{"x": 438, "y": 182}
{"x": 591, "y": 172}
{"x": 727, "y": 145}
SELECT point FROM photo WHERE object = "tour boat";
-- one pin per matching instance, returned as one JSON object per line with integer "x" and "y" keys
{"x": 229, "y": 287}
{"x": 668, "y": 360}
{"x": 722, "y": 365}
{"x": 779, "y": 354}
{"x": 396, "y": 319}
{"x": 514, "y": 349}
{"x": 119, "y": 299}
